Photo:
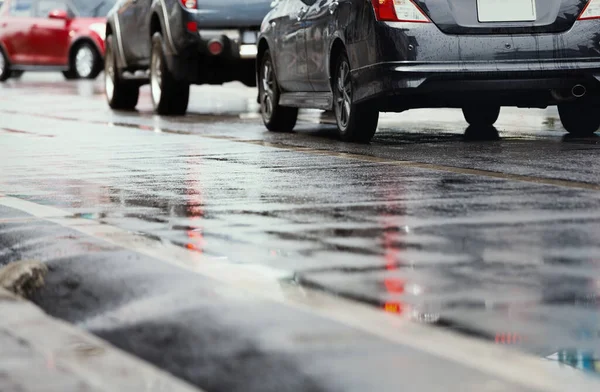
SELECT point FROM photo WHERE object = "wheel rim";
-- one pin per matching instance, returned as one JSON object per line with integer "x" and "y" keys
{"x": 343, "y": 102}
{"x": 268, "y": 85}
{"x": 109, "y": 75}
{"x": 84, "y": 61}
{"x": 156, "y": 78}
{"x": 2, "y": 63}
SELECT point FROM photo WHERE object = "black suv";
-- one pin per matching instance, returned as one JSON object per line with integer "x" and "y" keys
{"x": 174, "y": 43}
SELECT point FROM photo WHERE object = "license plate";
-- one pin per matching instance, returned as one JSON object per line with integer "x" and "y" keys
{"x": 506, "y": 10}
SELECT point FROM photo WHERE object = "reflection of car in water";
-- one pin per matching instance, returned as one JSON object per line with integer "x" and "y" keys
{"x": 172, "y": 44}
{"x": 359, "y": 58}
{"x": 57, "y": 35}
{"x": 578, "y": 359}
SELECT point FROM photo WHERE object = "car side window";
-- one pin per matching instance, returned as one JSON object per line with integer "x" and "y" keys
{"x": 45, "y": 6}
{"x": 22, "y": 8}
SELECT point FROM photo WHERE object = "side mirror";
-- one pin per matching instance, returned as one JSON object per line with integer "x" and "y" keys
{"x": 58, "y": 14}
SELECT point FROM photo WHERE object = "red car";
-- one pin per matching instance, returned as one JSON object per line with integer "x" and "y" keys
{"x": 46, "y": 35}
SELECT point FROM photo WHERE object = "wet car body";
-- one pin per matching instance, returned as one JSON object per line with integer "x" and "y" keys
{"x": 459, "y": 53}
{"x": 202, "y": 42}
{"x": 56, "y": 35}
{"x": 443, "y": 55}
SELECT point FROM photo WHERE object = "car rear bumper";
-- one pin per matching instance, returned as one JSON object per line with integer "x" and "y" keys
{"x": 237, "y": 44}
{"x": 442, "y": 83}
{"x": 196, "y": 64}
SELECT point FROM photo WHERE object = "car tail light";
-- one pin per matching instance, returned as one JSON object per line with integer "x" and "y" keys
{"x": 192, "y": 27}
{"x": 215, "y": 47}
{"x": 591, "y": 10}
{"x": 189, "y": 4}
{"x": 398, "y": 11}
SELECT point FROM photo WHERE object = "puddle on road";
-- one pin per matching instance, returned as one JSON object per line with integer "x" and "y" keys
{"x": 368, "y": 248}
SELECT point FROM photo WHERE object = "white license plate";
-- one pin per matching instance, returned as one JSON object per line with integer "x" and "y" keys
{"x": 506, "y": 10}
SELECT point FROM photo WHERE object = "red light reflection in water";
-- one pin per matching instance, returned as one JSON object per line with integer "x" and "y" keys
{"x": 195, "y": 204}
{"x": 394, "y": 286}
{"x": 508, "y": 338}
{"x": 393, "y": 307}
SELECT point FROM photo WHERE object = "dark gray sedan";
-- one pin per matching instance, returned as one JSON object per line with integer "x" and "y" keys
{"x": 362, "y": 57}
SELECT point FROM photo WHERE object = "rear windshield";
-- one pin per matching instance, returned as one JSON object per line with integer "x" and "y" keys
{"x": 92, "y": 8}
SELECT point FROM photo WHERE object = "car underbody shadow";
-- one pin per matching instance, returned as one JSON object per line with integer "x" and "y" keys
{"x": 481, "y": 133}
{"x": 591, "y": 139}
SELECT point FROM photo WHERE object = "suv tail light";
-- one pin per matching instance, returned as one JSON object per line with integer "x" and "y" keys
{"x": 591, "y": 10}
{"x": 189, "y": 4}
{"x": 399, "y": 11}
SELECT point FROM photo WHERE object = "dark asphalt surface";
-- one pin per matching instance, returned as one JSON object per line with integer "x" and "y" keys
{"x": 493, "y": 233}
{"x": 213, "y": 336}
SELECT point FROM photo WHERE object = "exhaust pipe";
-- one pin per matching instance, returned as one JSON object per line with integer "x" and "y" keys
{"x": 578, "y": 91}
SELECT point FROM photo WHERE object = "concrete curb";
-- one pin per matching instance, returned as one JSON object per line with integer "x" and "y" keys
{"x": 40, "y": 353}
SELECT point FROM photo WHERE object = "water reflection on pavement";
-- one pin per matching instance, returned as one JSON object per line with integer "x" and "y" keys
{"x": 488, "y": 232}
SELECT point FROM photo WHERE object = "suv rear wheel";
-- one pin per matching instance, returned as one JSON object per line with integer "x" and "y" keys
{"x": 580, "y": 118}
{"x": 276, "y": 118}
{"x": 357, "y": 122}
{"x": 120, "y": 94}
{"x": 4, "y": 67}
{"x": 169, "y": 96}
{"x": 481, "y": 116}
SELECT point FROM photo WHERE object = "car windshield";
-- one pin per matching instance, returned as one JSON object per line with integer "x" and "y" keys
{"x": 92, "y": 8}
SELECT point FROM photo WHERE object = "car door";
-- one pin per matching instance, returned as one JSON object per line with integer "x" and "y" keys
{"x": 50, "y": 37}
{"x": 319, "y": 27}
{"x": 142, "y": 31}
{"x": 15, "y": 29}
{"x": 141, "y": 34}
{"x": 290, "y": 47}
{"x": 323, "y": 19}
{"x": 129, "y": 18}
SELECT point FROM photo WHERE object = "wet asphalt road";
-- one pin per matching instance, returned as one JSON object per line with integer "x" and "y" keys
{"x": 492, "y": 233}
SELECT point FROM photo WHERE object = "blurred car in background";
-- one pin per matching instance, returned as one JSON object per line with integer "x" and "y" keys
{"x": 172, "y": 44}
{"x": 53, "y": 35}
{"x": 360, "y": 57}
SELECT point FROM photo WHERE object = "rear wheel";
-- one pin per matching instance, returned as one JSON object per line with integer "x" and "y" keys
{"x": 120, "y": 94}
{"x": 357, "y": 122}
{"x": 481, "y": 115}
{"x": 580, "y": 118}
{"x": 4, "y": 67}
{"x": 276, "y": 118}
{"x": 169, "y": 96}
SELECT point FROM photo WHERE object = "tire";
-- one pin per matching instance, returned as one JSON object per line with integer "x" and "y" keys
{"x": 169, "y": 96}
{"x": 70, "y": 75}
{"x": 580, "y": 118}
{"x": 4, "y": 67}
{"x": 86, "y": 62}
{"x": 277, "y": 118}
{"x": 16, "y": 74}
{"x": 481, "y": 116}
{"x": 120, "y": 94}
{"x": 357, "y": 122}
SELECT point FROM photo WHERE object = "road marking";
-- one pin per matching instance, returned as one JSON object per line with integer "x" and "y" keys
{"x": 16, "y": 220}
{"x": 19, "y": 132}
{"x": 266, "y": 283}
{"x": 352, "y": 156}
